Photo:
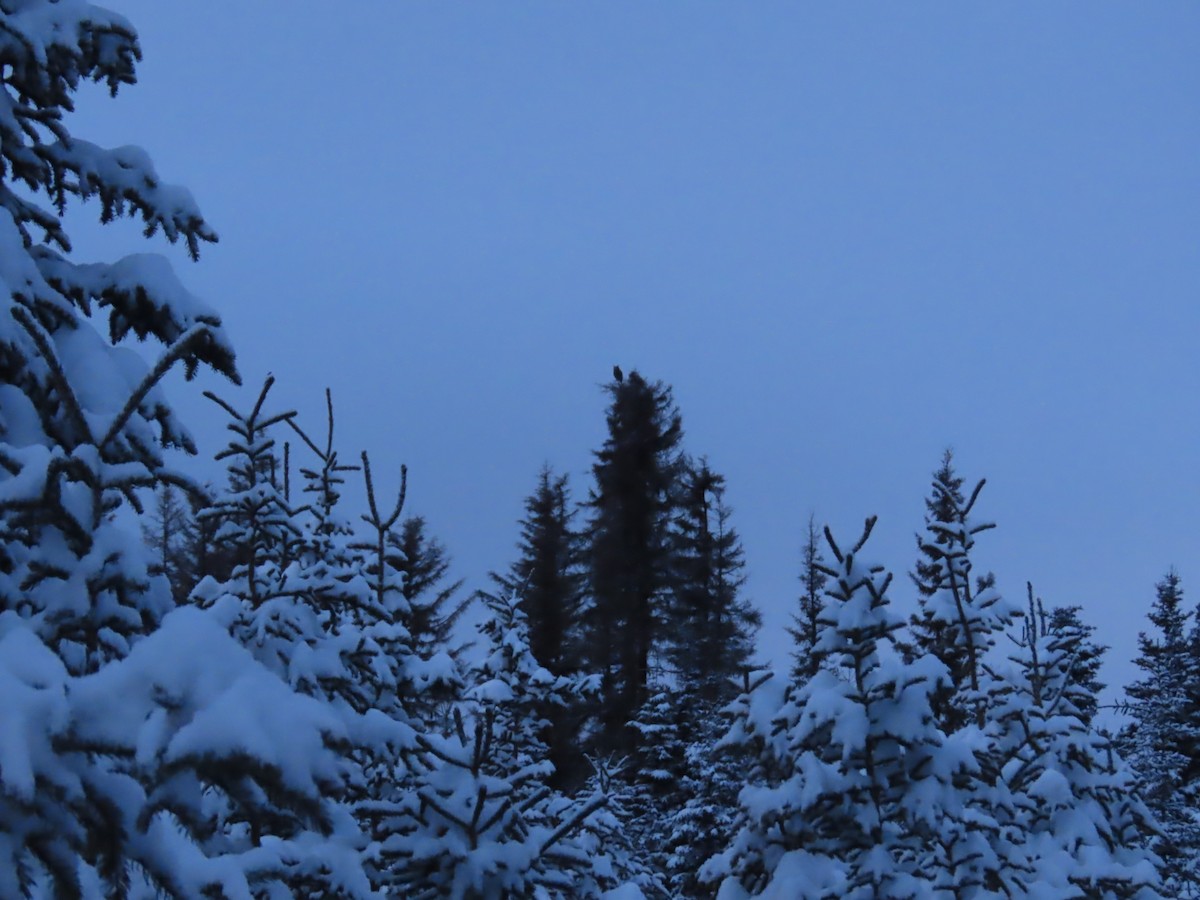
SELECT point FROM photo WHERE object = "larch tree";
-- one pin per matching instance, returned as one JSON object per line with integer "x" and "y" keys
{"x": 165, "y": 532}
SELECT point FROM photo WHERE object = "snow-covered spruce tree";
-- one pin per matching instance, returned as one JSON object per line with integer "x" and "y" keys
{"x": 385, "y": 797}
{"x": 1162, "y": 743}
{"x": 421, "y": 675}
{"x": 84, "y": 421}
{"x": 705, "y": 821}
{"x": 327, "y": 613}
{"x": 433, "y": 610}
{"x": 549, "y": 579}
{"x": 329, "y": 576}
{"x": 489, "y": 824}
{"x": 805, "y": 627}
{"x": 122, "y": 727}
{"x": 257, "y": 603}
{"x": 656, "y": 770}
{"x": 1075, "y": 825}
{"x": 1085, "y": 686}
{"x": 960, "y": 615}
{"x": 861, "y": 781}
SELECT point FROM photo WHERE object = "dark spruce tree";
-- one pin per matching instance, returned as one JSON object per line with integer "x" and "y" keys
{"x": 165, "y": 531}
{"x": 712, "y": 626}
{"x": 686, "y": 793}
{"x": 631, "y": 554}
{"x": 806, "y": 621}
{"x": 548, "y": 581}
{"x": 423, "y": 564}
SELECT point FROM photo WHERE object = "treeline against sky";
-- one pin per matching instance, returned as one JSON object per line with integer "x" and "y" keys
{"x": 263, "y": 695}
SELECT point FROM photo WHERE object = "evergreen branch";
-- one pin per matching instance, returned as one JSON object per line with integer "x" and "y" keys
{"x": 375, "y": 519}
{"x": 262, "y": 397}
{"x": 42, "y": 341}
{"x": 596, "y": 803}
{"x": 309, "y": 441}
{"x": 173, "y": 354}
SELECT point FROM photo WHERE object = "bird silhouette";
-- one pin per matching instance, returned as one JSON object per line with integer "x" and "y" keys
{"x": 618, "y": 374}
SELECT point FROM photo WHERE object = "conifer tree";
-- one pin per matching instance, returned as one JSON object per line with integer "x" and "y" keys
{"x": 144, "y": 751}
{"x": 386, "y": 802}
{"x": 711, "y": 635}
{"x": 857, "y": 785}
{"x": 1163, "y": 741}
{"x": 1072, "y": 820}
{"x": 261, "y": 603}
{"x": 960, "y": 615}
{"x": 1084, "y": 684}
{"x": 300, "y": 600}
{"x": 656, "y": 771}
{"x": 548, "y": 579}
{"x": 704, "y": 819}
{"x": 165, "y": 532}
{"x": 489, "y": 825}
{"x": 630, "y": 566}
{"x": 684, "y": 794}
{"x": 423, "y": 563}
{"x": 941, "y": 505}
{"x": 806, "y": 627}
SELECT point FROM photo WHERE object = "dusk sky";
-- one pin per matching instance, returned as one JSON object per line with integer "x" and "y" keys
{"x": 847, "y": 235}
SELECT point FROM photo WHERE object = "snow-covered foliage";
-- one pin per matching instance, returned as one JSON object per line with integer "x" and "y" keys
{"x": 489, "y": 825}
{"x": 960, "y": 614}
{"x": 82, "y": 420}
{"x": 1073, "y": 822}
{"x": 857, "y": 791}
{"x": 300, "y": 726}
{"x": 704, "y": 818}
{"x": 862, "y": 781}
{"x": 1163, "y": 740}
{"x": 141, "y": 749}
{"x": 167, "y": 769}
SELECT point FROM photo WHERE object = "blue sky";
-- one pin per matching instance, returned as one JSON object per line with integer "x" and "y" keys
{"x": 848, "y": 235}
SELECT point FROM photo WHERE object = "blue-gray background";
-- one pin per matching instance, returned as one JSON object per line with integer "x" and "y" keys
{"x": 847, "y": 235}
